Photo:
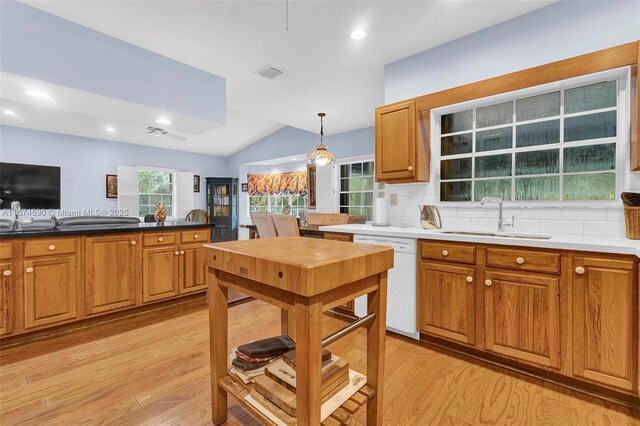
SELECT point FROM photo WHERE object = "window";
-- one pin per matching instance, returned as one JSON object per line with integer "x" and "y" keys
{"x": 278, "y": 204}
{"x": 356, "y": 188}
{"x": 559, "y": 145}
{"x": 155, "y": 187}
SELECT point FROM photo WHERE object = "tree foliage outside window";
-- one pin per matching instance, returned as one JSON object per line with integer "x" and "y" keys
{"x": 155, "y": 187}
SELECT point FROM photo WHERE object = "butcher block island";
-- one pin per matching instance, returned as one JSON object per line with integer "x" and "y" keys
{"x": 304, "y": 277}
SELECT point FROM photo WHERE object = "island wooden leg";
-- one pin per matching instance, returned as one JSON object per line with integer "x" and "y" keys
{"x": 376, "y": 302}
{"x": 308, "y": 322}
{"x": 218, "y": 329}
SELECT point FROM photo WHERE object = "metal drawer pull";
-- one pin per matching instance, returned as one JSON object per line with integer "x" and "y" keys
{"x": 133, "y": 243}
{"x": 7, "y": 273}
{"x": 29, "y": 270}
{"x": 160, "y": 239}
{"x": 177, "y": 253}
{"x": 445, "y": 253}
{"x": 580, "y": 270}
{"x": 410, "y": 168}
{"x": 181, "y": 251}
{"x": 469, "y": 279}
{"x": 488, "y": 283}
{"x": 195, "y": 237}
{"x": 52, "y": 247}
{"x": 520, "y": 260}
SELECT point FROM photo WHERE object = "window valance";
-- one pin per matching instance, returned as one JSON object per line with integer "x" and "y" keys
{"x": 294, "y": 183}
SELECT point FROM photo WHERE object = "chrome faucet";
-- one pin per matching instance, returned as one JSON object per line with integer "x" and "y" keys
{"x": 15, "y": 207}
{"x": 501, "y": 223}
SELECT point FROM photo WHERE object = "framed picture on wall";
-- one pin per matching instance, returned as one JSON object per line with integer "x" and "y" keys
{"x": 112, "y": 186}
{"x": 245, "y": 187}
{"x": 311, "y": 185}
{"x": 196, "y": 183}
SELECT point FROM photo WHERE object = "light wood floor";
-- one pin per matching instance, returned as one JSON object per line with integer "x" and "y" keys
{"x": 154, "y": 369}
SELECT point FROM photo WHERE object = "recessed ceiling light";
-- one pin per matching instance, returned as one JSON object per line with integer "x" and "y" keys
{"x": 163, "y": 120}
{"x": 294, "y": 159}
{"x": 110, "y": 129}
{"x": 9, "y": 112}
{"x": 358, "y": 34}
{"x": 36, "y": 94}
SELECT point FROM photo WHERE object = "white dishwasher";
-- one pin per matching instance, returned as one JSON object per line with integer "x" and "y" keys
{"x": 401, "y": 284}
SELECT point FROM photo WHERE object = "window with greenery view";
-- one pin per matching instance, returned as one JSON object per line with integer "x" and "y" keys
{"x": 356, "y": 189}
{"x": 554, "y": 146}
{"x": 278, "y": 204}
{"x": 154, "y": 187}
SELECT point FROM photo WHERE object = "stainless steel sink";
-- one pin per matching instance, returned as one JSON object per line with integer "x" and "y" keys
{"x": 500, "y": 235}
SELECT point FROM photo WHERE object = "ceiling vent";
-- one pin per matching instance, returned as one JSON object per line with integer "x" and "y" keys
{"x": 269, "y": 72}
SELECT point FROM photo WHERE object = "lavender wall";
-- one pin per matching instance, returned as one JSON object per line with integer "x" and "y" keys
{"x": 84, "y": 162}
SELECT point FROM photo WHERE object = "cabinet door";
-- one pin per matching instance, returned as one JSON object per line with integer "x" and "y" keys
{"x": 223, "y": 231}
{"x": 192, "y": 274}
{"x": 7, "y": 290}
{"x": 50, "y": 290}
{"x": 161, "y": 273}
{"x": 522, "y": 316}
{"x": 446, "y": 301}
{"x": 395, "y": 147}
{"x": 112, "y": 272}
{"x": 605, "y": 315}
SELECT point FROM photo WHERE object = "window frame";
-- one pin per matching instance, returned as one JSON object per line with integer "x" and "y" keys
{"x": 289, "y": 199}
{"x": 174, "y": 194}
{"x": 622, "y": 139}
{"x": 338, "y": 179}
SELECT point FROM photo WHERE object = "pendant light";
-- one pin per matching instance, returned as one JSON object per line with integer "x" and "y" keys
{"x": 321, "y": 156}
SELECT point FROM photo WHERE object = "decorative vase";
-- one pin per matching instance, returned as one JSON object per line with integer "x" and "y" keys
{"x": 160, "y": 214}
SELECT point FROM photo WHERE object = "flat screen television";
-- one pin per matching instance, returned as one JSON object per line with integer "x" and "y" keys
{"x": 35, "y": 187}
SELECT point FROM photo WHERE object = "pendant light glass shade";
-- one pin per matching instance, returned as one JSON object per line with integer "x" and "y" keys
{"x": 321, "y": 156}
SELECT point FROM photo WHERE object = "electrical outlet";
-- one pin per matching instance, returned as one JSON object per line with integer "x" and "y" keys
{"x": 393, "y": 199}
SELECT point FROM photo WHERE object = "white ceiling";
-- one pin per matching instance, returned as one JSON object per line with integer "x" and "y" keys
{"x": 325, "y": 69}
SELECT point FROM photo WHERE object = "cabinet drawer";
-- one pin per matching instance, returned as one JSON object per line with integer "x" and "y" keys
{"x": 158, "y": 239}
{"x": 525, "y": 260}
{"x": 49, "y": 247}
{"x": 6, "y": 250}
{"x": 448, "y": 252}
{"x": 195, "y": 236}
{"x": 337, "y": 236}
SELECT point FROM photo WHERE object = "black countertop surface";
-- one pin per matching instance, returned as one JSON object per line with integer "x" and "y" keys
{"x": 8, "y": 233}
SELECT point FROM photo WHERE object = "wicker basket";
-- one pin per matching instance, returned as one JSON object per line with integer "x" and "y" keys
{"x": 631, "y": 203}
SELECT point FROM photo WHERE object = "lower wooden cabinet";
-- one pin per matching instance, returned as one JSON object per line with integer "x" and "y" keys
{"x": 7, "y": 296}
{"x": 112, "y": 272}
{"x": 605, "y": 321}
{"x": 522, "y": 316}
{"x": 160, "y": 273}
{"x": 50, "y": 290}
{"x": 192, "y": 268}
{"x": 447, "y": 300}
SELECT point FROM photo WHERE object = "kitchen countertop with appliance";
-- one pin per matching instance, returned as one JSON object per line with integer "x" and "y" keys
{"x": 616, "y": 245}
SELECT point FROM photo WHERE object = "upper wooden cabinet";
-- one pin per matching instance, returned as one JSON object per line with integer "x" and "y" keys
{"x": 605, "y": 317}
{"x": 401, "y": 153}
{"x": 112, "y": 272}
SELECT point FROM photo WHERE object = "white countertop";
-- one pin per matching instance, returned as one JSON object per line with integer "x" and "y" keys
{"x": 615, "y": 245}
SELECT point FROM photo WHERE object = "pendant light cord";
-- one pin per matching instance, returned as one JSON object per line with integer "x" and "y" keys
{"x": 286, "y": 22}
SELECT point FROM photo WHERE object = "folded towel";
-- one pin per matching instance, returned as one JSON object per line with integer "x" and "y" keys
{"x": 243, "y": 365}
{"x": 250, "y": 359}
{"x": 267, "y": 348}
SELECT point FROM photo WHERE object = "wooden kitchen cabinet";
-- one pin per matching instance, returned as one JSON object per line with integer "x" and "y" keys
{"x": 112, "y": 272}
{"x": 522, "y": 317}
{"x": 8, "y": 273}
{"x": 192, "y": 268}
{"x": 160, "y": 273}
{"x": 605, "y": 321}
{"x": 447, "y": 300}
{"x": 50, "y": 290}
{"x": 401, "y": 154}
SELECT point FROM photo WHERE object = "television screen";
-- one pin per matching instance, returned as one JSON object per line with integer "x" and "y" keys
{"x": 35, "y": 187}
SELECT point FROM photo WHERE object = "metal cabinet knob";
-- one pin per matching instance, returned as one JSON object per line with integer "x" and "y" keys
{"x": 52, "y": 247}
{"x": 29, "y": 270}
{"x": 445, "y": 253}
{"x": 488, "y": 283}
{"x": 160, "y": 239}
{"x": 520, "y": 260}
{"x": 195, "y": 237}
{"x": 181, "y": 251}
{"x": 7, "y": 273}
{"x": 410, "y": 168}
{"x": 469, "y": 279}
{"x": 580, "y": 270}
{"x": 133, "y": 243}
{"x": 177, "y": 253}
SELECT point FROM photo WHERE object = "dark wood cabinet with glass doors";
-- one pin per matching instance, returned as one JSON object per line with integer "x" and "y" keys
{"x": 222, "y": 205}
